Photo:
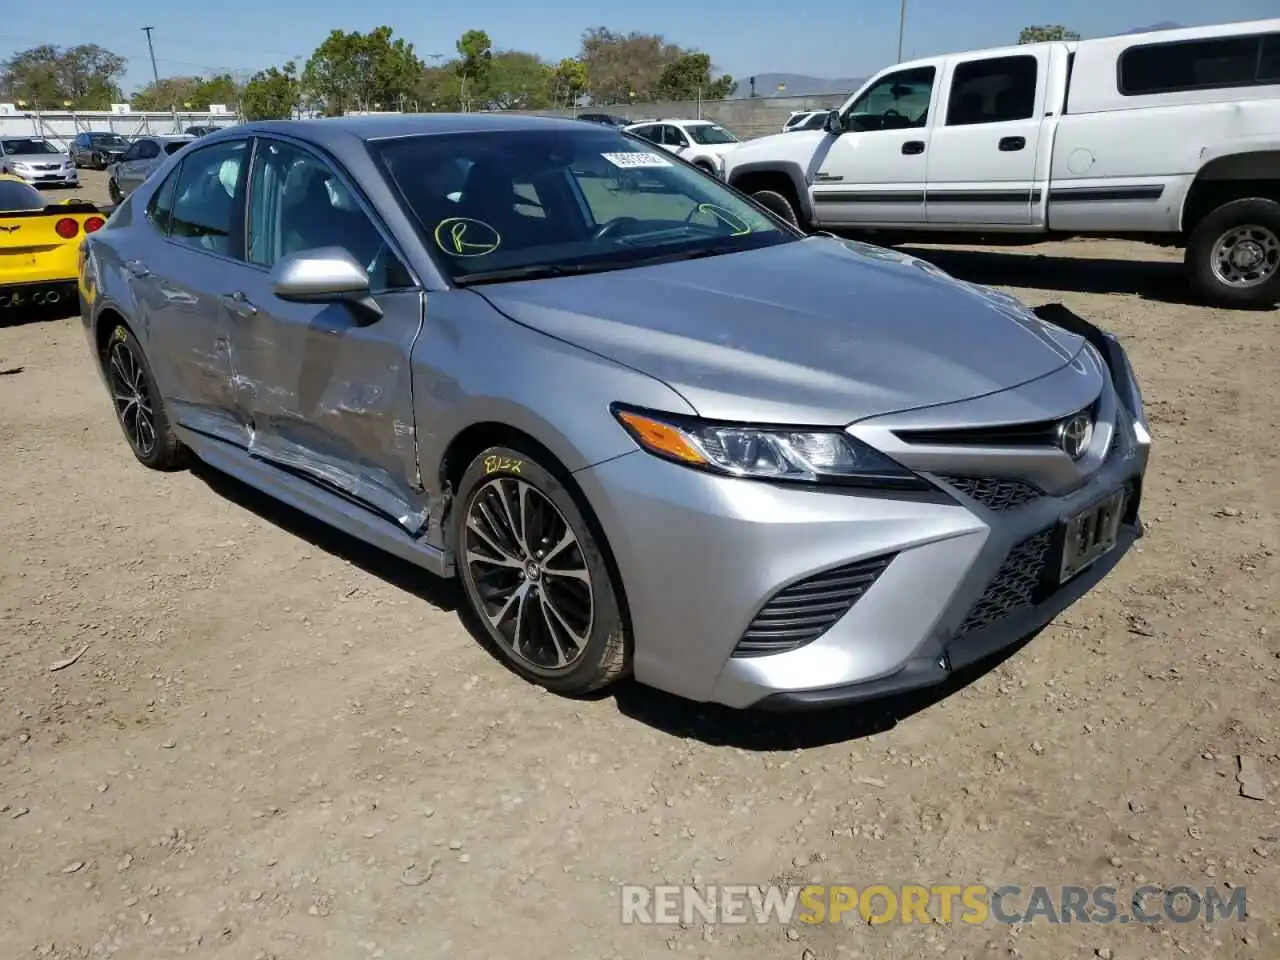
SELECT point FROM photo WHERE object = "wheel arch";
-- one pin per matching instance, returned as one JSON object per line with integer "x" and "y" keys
{"x": 768, "y": 175}
{"x": 1233, "y": 174}
{"x": 476, "y": 437}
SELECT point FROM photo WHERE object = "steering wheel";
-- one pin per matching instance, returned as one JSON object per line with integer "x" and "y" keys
{"x": 891, "y": 113}
{"x": 606, "y": 230}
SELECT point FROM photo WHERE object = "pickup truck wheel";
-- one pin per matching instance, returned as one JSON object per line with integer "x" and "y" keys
{"x": 1233, "y": 255}
{"x": 775, "y": 202}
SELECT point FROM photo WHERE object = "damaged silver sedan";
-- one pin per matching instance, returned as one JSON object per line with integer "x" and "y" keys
{"x": 651, "y": 427}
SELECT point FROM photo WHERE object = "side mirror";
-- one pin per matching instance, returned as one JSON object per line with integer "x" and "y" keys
{"x": 325, "y": 275}
{"x": 833, "y": 124}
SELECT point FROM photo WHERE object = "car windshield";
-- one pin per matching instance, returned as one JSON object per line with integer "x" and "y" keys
{"x": 19, "y": 196}
{"x": 547, "y": 202}
{"x": 709, "y": 133}
{"x": 28, "y": 145}
{"x": 108, "y": 140}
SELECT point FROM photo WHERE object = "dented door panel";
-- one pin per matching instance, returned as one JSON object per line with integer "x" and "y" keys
{"x": 332, "y": 400}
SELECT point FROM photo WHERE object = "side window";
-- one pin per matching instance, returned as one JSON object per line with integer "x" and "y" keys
{"x": 160, "y": 207}
{"x": 650, "y": 133}
{"x": 297, "y": 203}
{"x": 673, "y": 136}
{"x": 897, "y": 101}
{"x": 147, "y": 149}
{"x": 528, "y": 201}
{"x": 1199, "y": 65}
{"x": 996, "y": 90}
{"x": 210, "y": 186}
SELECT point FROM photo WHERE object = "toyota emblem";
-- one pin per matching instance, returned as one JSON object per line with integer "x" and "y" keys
{"x": 1074, "y": 434}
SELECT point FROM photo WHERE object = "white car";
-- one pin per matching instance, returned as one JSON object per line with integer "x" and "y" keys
{"x": 805, "y": 120}
{"x": 700, "y": 142}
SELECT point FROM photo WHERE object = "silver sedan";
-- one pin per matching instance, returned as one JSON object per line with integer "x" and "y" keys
{"x": 651, "y": 427}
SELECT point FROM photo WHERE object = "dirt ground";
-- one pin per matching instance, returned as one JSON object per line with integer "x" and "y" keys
{"x": 279, "y": 744}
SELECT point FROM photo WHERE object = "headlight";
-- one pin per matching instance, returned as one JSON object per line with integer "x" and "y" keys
{"x": 815, "y": 456}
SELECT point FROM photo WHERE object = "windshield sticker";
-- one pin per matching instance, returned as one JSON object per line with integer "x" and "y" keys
{"x": 465, "y": 237}
{"x": 734, "y": 222}
{"x": 636, "y": 161}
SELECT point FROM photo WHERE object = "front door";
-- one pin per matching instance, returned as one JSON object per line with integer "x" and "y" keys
{"x": 873, "y": 171}
{"x": 181, "y": 269}
{"x": 323, "y": 392}
{"x": 982, "y": 157}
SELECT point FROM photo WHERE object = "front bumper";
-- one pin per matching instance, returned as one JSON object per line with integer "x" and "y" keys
{"x": 701, "y": 556}
{"x": 50, "y": 178}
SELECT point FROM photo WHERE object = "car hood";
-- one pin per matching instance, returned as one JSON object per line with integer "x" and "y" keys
{"x": 816, "y": 331}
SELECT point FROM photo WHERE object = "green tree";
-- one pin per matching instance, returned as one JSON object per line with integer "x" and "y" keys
{"x": 568, "y": 81}
{"x": 518, "y": 81}
{"x": 1040, "y": 34}
{"x": 689, "y": 78}
{"x": 271, "y": 94}
{"x": 625, "y": 66}
{"x": 476, "y": 53}
{"x": 218, "y": 89}
{"x": 439, "y": 89}
{"x": 361, "y": 71}
{"x": 170, "y": 93}
{"x": 48, "y": 77}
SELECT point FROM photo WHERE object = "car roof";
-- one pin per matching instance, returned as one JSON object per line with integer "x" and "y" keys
{"x": 391, "y": 126}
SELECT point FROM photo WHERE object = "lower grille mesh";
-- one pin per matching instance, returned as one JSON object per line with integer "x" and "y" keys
{"x": 805, "y": 610}
{"x": 1015, "y": 585}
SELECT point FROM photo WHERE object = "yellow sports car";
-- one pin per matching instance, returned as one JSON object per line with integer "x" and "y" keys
{"x": 40, "y": 245}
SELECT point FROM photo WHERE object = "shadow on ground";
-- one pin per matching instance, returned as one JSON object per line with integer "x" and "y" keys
{"x": 768, "y": 731}
{"x": 1150, "y": 280}
{"x": 709, "y": 723}
{"x": 442, "y": 594}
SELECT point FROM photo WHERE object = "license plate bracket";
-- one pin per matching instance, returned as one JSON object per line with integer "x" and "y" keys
{"x": 1089, "y": 535}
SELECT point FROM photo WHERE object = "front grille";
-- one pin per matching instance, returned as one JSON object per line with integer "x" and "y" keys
{"x": 1015, "y": 585}
{"x": 995, "y": 493}
{"x": 1038, "y": 433}
{"x": 802, "y": 612}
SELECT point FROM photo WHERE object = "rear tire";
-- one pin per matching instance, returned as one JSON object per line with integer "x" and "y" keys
{"x": 536, "y": 576}
{"x": 138, "y": 404}
{"x": 1233, "y": 255}
{"x": 777, "y": 203}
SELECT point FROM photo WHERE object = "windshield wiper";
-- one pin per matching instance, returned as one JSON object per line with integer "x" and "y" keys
{"x": 534, "y": 271}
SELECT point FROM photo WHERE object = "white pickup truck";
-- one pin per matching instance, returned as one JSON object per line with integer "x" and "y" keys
{"x": 1171, "y": 137}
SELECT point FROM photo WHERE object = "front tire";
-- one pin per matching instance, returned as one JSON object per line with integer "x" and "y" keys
{"x": 1233, "y": 256}
{"x": 138, "y": 404}
{"x": 536, "y": 576}
{"x": 777, "y": 203}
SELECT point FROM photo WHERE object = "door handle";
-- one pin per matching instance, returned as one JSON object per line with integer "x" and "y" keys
{"x": 1009, "y": 144}
{"x": 913, "y": 146}
{"x": 238, "y": 304}
{"x": 137, "y": 268}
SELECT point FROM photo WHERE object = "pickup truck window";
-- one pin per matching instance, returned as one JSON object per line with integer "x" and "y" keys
{"x": 1211, "y": 64}
{"x": 897, "y": 101}
{"x": 995, "y": 90}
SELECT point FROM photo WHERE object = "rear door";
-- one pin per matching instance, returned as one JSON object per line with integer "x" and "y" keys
{"x": 185, "y": 256}
{"x": 982, "y": 156}
{"x": 323, "y": 393}
{"x": 136, "y": 165}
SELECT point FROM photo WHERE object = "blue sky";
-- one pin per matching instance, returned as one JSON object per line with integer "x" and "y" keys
{"x": 830, "y": 38}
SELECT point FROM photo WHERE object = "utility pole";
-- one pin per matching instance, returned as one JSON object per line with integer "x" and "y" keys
{"x": 902, "y": 27}
{"x": 155, "y": 74}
